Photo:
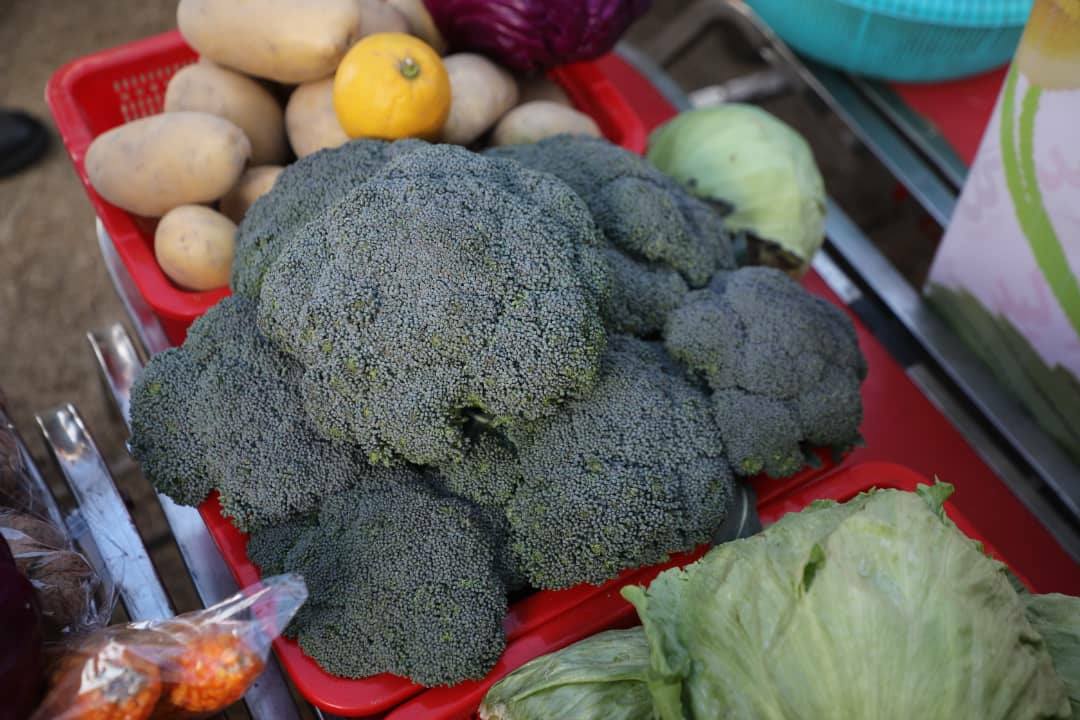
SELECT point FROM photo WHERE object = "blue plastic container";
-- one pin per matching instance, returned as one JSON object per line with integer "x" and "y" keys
{"x": 904, "y": 40}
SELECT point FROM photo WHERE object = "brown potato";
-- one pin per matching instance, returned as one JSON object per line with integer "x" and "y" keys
{"x": 540, "y": 119}
{"x": 283, "y": 40}
{"x": 420, "y": 23}
{"x": 194, "y": 246}
{"x": 310, "y": 120}
{"x": 254, "y": 183}
{"x": 152, "y": 165}
{"x": 482, "y": 92}
{"x": 542, "y": 88}
{"x": 378, "y": 16}
{"x": 237, "y": 98}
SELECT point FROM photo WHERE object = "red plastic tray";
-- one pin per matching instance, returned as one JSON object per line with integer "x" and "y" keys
{"x": 607, "y": 610}
{"x": 95, "y": 93}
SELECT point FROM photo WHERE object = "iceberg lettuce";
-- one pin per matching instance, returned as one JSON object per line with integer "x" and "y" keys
{"x": 875, "y": 608}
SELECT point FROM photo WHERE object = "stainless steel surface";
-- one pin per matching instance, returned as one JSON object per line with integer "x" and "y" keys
{"x": 119, "y": 363}
{"x": 147, "y": 327}
{"x": 41, "y": 490}
{"x": 107, "y": 518}
{"x": 915, "y": 128}
{"x": 888, "y": 145}
{"x": 835, "y": 278}
{"x": 269, "y": 697}
{"x": 742, "y": 519}
{"x": 961, "y": 365}
{"x": 751, "y": 87}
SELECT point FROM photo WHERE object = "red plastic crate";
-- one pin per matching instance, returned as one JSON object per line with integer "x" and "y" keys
{"x": 98, "y": 92}
{"x": 608, "y": 610}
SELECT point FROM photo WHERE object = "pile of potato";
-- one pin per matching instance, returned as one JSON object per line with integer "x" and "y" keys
{"x": 224, "y": 136}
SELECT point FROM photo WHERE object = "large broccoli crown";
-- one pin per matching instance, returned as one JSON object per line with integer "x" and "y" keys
{"x": 303, "y": 192}
{"x": 640, "y": 210}
{"x": 401, "y": 580}
{"x": 448, "y": 283}
{"x": 619, "y": 479}
{"x": 233, "y": 417}
{"x": 784, "y": 365}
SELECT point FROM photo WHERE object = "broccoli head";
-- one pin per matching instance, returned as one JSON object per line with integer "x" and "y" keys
{"x": 401, "y": 580}
{"x": 642, "y": 296}
{"x": 784, "y": 366}
{"x": 224, "y": 412}
{"x": 640, "y": 210}
{"x": 487, "y": 475}
{"x": 302, "y": 193}
{"x": 619, "y": 479}
{"x": 447, "y": 284}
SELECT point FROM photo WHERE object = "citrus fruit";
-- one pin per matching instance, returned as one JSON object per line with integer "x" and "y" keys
{"x": 390, "y": 86}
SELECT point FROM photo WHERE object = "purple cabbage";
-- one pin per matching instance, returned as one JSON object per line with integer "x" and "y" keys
{"x": 534, "y": 35}
{"x": 21, "y": 655}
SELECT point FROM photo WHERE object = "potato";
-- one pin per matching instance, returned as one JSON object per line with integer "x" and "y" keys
{"x": 420, "y": 23}
{"x": 539, "y": 119}
{"x": 283, "y": 40}
{"x": 378, "y": 16}
{"x": 194, "y": 245}
{"x": 254, "y": 183}
{"x": 481, "y": 93}
{"x": 542, "y": 88}
{"x": 238, "y": 99}
{"x": 152, "y": 165}
{"x": 310, "y": 120}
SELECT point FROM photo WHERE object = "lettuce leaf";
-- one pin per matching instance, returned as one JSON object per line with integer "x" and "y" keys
{"x": 599, "y": 678}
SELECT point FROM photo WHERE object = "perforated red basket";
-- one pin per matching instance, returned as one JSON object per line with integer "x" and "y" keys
{"x": 98, "y": 92}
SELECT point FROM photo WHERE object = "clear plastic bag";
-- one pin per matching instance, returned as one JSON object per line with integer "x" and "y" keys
{"x": 19, "y": 490}
{"x": 191, "y": 666}
{"x": 69, "y": 589}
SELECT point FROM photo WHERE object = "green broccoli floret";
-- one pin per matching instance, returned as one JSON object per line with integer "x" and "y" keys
{"x": 619, "y": 479}
{"x": 449, "y": 283}
{"x": 224, "y": 412}
{"x": 785, "y": 367}
{"x": 642, "y": 296}
{"x": 162, "y": 438}
{"x": 401, "y": 580}
{"x": 302, "y": 193}
{"x": 640, "y": 210}
{"x": 487, "y": 475}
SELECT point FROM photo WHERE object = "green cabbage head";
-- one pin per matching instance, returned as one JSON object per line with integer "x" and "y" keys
{"x": 875, "y": 608}
{"x": 599, "y": 678}
{"x": 743, "y": 157}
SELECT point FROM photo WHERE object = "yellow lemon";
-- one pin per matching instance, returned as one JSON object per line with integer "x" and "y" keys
{"x": 390, "y": 86}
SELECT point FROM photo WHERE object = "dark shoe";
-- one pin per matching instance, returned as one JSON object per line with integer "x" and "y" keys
{"x": 22, "y": 141}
